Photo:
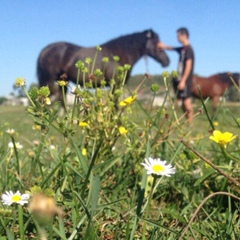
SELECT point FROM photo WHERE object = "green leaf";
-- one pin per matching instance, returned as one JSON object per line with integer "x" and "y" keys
{"x": 95, "y": 189}
{"x": 158, "y": 225}
{"x": 80, "y": 156}
{"x": 204, "y": 177}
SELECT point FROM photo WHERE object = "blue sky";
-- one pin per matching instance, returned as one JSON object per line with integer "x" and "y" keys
{"x": 28, "y": 26}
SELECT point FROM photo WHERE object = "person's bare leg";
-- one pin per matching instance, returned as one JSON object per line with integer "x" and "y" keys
{"x": 187, "y": 107}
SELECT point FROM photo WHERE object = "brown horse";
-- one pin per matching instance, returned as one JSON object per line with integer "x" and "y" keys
{"x": 59, "y": 58}
{"x": 213, "y": 86}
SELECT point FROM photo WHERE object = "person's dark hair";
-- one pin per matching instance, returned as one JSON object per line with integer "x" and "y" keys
{"x": 184, "y": 31}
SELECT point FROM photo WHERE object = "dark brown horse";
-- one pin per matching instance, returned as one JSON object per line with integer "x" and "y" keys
{"x": 59, "y": 58}
{"x": 213, "y": 86}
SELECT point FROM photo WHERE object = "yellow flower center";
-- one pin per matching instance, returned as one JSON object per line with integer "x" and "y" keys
{"x": 16, "y": 198}
{"x": 157, "y": 168}
{"x": 84, "y": 151}
{"x": 222, "y": 142}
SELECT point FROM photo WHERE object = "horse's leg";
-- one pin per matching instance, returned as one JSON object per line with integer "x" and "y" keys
{"x": 55, "y": 92}
{"x": 215, "y": 101}
{"x": 56, "y": 95}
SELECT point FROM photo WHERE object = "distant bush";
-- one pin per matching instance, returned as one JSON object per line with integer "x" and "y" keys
{"x": 233, "y": 94}
{"x": 2, "y": 100}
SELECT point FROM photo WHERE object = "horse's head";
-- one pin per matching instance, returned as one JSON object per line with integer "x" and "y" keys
{"x": 153, "y": 51}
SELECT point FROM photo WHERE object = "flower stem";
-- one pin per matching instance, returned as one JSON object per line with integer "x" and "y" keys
{"x": 148, "y": 205}
{"x": 150, "y": 195}
{"x": 234, "y": 181}
{"x": 172, "y": 104}
{"x": 37, "y": 157}
{"x": 64, "y": 98}
{"x": 20, "y": 219}
{"x": 75, "y": 98}
{"x": 90, "y": 168}
{"x": 94, "y": 61}
{"x": 16, "y": 155}
{"x": 229, "y": 156}
{"x": 42, "y": 232}
{"x": 29, "y": 98}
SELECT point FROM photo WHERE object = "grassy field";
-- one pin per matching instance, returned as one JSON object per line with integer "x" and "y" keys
{"x": 84, "y": 174}
{"x": 17, "y": 117}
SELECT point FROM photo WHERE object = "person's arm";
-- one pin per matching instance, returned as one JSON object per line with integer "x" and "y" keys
{"x": 163, "y": 46}
{"x": 187, "y": 70}
{"x": 185, "y": 75}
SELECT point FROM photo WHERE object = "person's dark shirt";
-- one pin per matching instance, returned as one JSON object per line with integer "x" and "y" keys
{"x": 185, "y": 53}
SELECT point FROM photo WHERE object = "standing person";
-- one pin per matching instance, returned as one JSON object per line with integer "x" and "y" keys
{"x": 182, "y": 84}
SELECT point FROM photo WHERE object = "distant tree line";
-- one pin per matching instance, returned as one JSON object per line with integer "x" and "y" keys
{"x": 2, "y": 100}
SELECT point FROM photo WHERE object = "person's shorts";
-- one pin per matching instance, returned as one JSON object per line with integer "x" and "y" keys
{"x": 182, "y": 94}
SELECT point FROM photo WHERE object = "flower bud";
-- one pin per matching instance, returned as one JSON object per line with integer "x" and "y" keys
{"x": 43, "y": 208}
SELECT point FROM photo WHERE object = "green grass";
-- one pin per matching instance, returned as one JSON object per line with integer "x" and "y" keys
{"x": 17, "y": 117}
{"x": 106, "y": 193}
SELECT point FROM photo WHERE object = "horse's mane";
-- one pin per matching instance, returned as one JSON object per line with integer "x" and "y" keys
{"x": 127, "y": 41}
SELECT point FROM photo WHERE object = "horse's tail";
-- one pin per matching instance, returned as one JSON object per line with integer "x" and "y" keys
{"x": 46, "y": 70}
{"x": 41, "y": 71}
{"x": 49, "y": 64}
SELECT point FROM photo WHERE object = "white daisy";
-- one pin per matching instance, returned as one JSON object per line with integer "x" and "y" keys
{"x": 17, "y": 144}
{"x": 158, "y": 167}
{"x": 10, "y": 131}
{"x": 9, "y": 198}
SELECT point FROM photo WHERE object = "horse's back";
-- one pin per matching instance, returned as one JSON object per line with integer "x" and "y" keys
{"x": 209, "y": 86}
{"x": 53, "y": 59}
{"x": 58, "y": 49}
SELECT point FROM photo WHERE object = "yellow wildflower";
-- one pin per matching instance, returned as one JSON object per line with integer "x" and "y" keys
{"x": 62, "y": 83}
{"x": 84, "y": 151}
{"x": 31, "y": 153}
{"x": 48, "y": 101}
{"x": 222, "y": 138}
{"x": 83, "y": 124}
{"x": 128, "y": 101}
{"x": 122, "y": 130}
{"x": 20, "y": 82}
{"x": 36, "y": 127}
